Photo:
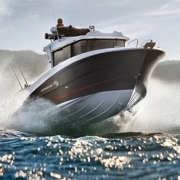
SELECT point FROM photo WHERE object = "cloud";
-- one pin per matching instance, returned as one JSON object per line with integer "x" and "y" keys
{"x": 169, "y": 9}
{"x": 4, "y": 9}
{"x": 27, "y": 20}
{"x": 166, "y": 12}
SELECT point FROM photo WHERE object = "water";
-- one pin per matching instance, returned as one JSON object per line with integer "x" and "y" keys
{"x": 129, "y": 156}
{"x": 142, "y": 145}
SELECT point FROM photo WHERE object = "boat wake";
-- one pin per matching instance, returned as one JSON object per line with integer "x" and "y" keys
{"x": 158, "y": 112}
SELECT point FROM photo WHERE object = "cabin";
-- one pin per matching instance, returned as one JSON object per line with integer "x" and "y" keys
{"x": 69, "y": 41}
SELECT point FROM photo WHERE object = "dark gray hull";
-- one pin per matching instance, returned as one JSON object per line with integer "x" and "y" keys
{"x": 98, "y": 84}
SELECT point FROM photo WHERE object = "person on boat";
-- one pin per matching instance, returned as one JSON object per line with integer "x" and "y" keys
{"x": 59, "y": 24}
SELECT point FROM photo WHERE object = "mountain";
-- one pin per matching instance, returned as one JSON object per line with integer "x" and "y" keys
{"x": 31, "y": 63}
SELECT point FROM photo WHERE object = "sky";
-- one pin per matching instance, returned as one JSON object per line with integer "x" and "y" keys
{"x": 23, "y": 23}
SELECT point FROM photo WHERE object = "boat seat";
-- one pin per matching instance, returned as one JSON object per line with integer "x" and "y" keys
{"x": 71, "y": 31}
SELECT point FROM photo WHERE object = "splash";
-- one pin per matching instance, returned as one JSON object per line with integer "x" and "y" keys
{"x": 11, "y": 95}
{"x": 15, "y": 113}
{"x": 8, "y": 92}
{"x": 33, "y": 117}
{"x": 159, "y": 112}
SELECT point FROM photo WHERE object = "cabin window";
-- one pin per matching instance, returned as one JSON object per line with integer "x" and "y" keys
{"x": 79, "y": 47}
{"x": 62, "y": 55}
{"x": 95, "y": 44}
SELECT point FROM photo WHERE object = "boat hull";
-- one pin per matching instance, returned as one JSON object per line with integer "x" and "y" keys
{"x": 97, "y": 85}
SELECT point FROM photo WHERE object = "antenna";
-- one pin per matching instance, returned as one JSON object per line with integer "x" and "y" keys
{"x": 17, "y": 78}
{"x": 52, "y": 9}
{"x": 23, "y": 76}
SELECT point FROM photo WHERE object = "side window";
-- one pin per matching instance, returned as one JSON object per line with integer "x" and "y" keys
{"x": 79, "y": 47}
{"x": 119, "y": 43}
{"x": 61, "y": 55}
{"x": 58, "y": 57}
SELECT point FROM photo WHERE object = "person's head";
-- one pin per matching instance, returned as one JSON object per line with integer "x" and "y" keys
{"x": 60, "y": 22}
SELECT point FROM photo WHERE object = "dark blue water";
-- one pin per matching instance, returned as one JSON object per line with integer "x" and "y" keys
{"x": 126, "y": 156}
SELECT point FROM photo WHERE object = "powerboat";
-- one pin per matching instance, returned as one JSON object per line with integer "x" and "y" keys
{"x": 95, "y": 75}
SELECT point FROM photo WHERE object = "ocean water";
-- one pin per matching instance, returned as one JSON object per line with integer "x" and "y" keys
{"x": 126, "y": 156}
{"x": 141, "y": 144}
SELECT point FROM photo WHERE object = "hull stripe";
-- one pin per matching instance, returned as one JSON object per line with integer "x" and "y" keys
{"x": 83, "y": 88}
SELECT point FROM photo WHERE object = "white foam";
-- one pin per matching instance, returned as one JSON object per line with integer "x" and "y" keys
{"x": 159, "y": 111}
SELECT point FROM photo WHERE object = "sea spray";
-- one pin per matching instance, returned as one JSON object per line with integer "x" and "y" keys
{"x": 8, "y": 89}
{"x": 40, "y": 116}
{"x": 32, "y": 117}
{"x": 159, "y": 111}
{"x": 12, "y": 96}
